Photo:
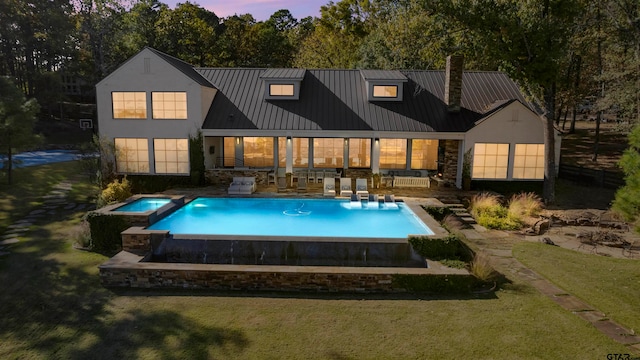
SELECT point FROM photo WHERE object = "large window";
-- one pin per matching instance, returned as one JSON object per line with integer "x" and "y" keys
{"x": 424, "y": 154}
{"x": 393, "y": 153}
{"x": 385, "y": 91}
{"x": 132, "y": 155}
{"x": 169, "y": 105}
{"x": 359, "y": 153}
{"x": 328, "y": 152}
{"x": 129, "y": 105}
{"x": 490, "y": 161}
{"x": 528, "y": 161}
{"x": 300, "y": 152}
{"x": 229, "y": 152}
{"x": 281, "y": 90}
{"x": 258, "y": 151}
{"x": 171, "y": 156}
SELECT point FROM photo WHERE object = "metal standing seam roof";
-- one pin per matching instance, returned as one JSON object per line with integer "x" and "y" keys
{"x": 283, "y": 74}
{"x": 337, "y": 100}
{"x": 182, "y": 66}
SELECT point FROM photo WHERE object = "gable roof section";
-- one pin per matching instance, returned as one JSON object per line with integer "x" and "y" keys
{"x": 183, "y": 67}
{"x": 337, "y": 100}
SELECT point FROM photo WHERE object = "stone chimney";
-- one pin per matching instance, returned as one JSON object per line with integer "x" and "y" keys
{"x": 453, "y": 82}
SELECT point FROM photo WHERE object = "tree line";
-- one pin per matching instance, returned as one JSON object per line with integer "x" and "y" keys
{"x": 572, "y": 49}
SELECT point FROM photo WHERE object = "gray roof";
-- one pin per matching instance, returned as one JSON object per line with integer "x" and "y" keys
{"x": 285, "y": 74}
{"x": 369, "y": 75}
{"x": 337, "y": 100}
{"x": 184, "y": 67}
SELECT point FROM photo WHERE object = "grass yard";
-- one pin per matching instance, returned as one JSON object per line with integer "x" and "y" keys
{"x": 53, "y": 307}
{"x": 610, "y": 285}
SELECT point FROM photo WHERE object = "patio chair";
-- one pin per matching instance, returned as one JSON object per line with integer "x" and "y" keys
{"x": 319, "y": 176}
{"x": 329, "y": 186}
{"x": 302, "y": 184}
{"x": 282, "y": 184}
{"x": 361, "y": 187}
{"x": 345, "y": 187}
{"x": 271, "y": 177}
{"x": 389, "y": 201}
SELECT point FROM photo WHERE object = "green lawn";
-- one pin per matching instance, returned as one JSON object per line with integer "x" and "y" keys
{"x": 52, "y": 306}
{"x": 608, "y": 284}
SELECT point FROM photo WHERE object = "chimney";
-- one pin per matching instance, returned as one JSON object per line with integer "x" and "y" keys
{"x": 453, "y": 82}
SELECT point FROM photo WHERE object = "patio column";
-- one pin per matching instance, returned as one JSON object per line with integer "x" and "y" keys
{"x": 289, "y": 156}
{"x": 375, "y": 156}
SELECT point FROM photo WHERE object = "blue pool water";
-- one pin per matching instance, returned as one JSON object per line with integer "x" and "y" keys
{"x": 293, "y": 217}
{"x": 144, "y": 204}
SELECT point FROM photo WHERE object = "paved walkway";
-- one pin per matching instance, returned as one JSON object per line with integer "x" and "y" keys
{"x": 55, "y": 201}
{"x": 498, "y": 245}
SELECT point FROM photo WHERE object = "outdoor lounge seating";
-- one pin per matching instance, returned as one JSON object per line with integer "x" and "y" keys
{"x": 282, "y": 184}
{"x": 242, "y": 186}
{"x": 361, "y": 188}
{"x": 329, "y": 185}
{"x": 302, "y": 184}
{"x": 345, "y": 187}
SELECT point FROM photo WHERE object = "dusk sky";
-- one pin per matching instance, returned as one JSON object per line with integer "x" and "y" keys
{"x": 260, "y": 9}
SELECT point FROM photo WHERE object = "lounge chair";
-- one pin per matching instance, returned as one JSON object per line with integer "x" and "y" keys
{"x": 361, "y": 187}
{"x": 355, "y": 202}
{"x": 329, "y": 185}
{"x": 390, "y": 202}
{"x": 302, "y": 184}
{"x": 355, "y": 197}
{"x": 282, "y": 184}
{"x": 373, "y": 198}
{"x": 345, "y": 187}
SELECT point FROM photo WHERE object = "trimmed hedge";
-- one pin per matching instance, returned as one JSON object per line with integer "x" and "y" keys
{"x": 440, "y": 284}
{"x": 105, "y": 231}
{"x": 450, "y": 247}
{"x": 438, "y": 213}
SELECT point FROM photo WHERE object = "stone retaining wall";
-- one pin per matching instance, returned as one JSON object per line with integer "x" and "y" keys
{"x": 128, "y": 270}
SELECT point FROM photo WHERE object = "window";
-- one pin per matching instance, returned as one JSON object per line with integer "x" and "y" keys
{"x": 169, "y": 105}
{"x": 258, "y": 151}
{"x": 132, "y": 155}
{"x": 424, "y": 154}
{"x": 490, "y": 161}
{"x": 385, "y": 91}
{"x": 129, "y": 105}
{"x": 171, "y": 156}
{"x": 229, "y": 152}
{"x": 281, "y": 90}
{"x": 300, "y": 152}
{"x": 393, "y": 153}
{"x": 359, "y": 153}
{"x": 528, "y": 161}
{"x": 328, "y": 152}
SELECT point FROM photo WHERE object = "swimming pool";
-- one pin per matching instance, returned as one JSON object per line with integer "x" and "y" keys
{"x": 143, "y": 205}
{"x": 293, "y": 217}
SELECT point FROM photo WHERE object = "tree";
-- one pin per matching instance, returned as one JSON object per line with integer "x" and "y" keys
{"x": 189, "y": 32}
{"x": 627, "y": 200}
{"x": 528, "y": 39}
{"x": 17, "y": 116}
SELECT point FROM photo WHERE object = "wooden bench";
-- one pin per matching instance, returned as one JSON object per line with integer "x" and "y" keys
{"x": 410, "y": 181}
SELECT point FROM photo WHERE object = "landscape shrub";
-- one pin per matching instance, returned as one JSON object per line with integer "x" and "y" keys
{"x": 525, "y": 204}
{"x": 490, "y": 213}
{"x": 481, "y": 268}
{"x": 449, "y": 247}
{"x": 105, "y": 231}
{"x": 81, "y": 235}
{"x": 146, "y": 184}
{"x": 116, "y": 191}
{"x": 438, "y": 213}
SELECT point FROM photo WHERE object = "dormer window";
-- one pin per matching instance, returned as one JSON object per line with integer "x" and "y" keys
{"x": 281, "y": 89}
{"x": 384, "y": 85}
{"x": 282, "y": 84}
{"x": 385, "y": 91}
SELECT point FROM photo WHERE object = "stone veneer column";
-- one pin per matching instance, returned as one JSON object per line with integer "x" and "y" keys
{"x": 453, "y": 82}
{"x": 450, "y": 170}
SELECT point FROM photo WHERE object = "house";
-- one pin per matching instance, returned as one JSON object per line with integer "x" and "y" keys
{"x": 359, "y": 122}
